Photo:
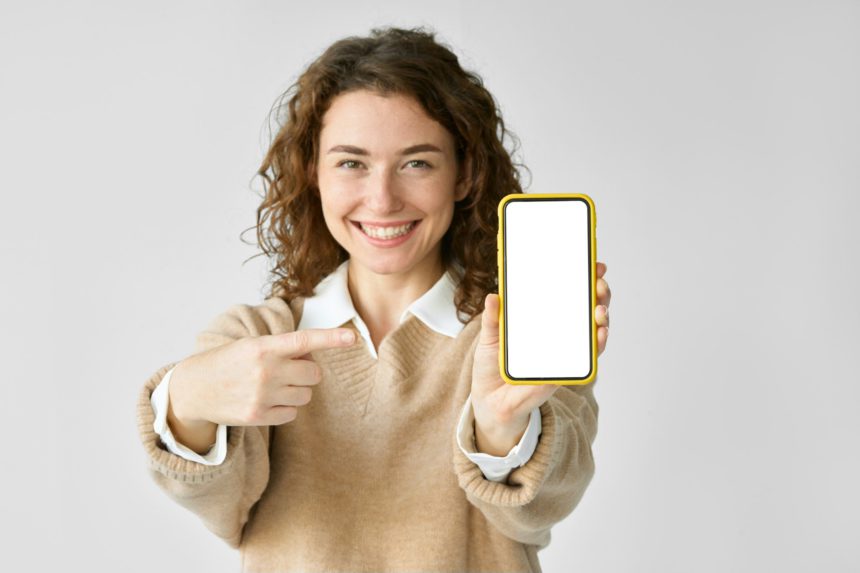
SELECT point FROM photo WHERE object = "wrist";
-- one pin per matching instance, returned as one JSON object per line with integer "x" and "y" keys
{"x": 498, "y": 440}
{"x": 191, "y": 432}
{"x": 178, "y": 403}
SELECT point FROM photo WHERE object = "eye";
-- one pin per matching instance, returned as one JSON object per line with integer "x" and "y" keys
{"x": 418, "y": 163}
{"x": 349, "y": 163}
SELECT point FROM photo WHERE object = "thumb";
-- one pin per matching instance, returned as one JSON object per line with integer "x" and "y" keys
{"x": 490, "y": 321}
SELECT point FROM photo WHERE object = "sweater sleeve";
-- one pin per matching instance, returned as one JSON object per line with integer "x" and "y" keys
{"x": 223, "y": 495}
{"x": 160, "y": 404}
{"x": 548, "y": 487}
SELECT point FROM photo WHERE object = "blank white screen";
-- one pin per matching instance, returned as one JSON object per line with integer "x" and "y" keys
{"x": 547, "y": 299}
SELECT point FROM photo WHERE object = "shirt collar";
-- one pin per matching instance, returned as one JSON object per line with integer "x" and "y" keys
{"x": 331, "y": 305}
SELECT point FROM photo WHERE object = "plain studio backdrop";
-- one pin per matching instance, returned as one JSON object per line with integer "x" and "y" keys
{"x": 720, "y": 142}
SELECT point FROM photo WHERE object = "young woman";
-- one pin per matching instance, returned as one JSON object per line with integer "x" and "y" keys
{"x": 399, "y": 447}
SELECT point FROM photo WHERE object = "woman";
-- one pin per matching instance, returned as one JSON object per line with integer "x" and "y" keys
{"x": 399, "y": 448}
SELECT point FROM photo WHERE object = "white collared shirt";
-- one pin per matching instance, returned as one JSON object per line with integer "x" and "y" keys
{"x": 330, "y": 307}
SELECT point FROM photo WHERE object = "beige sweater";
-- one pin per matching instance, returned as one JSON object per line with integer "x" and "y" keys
{"x": 287, "y": 507}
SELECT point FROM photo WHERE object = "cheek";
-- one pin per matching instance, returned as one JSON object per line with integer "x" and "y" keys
{"x": 332, "y": 201}
{"x": 444, "y": 211}
{"x": 335, "y": 208}
{"x": 329, "y": 210}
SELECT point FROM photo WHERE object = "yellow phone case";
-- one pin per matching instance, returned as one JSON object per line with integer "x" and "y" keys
{"x": 592, "y": 226}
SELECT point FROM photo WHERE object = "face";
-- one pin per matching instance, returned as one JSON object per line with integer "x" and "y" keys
{"x": 387, "y": 175}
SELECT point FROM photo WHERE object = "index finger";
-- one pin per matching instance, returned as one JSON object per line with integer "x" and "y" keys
{"x": 301, "y": 342}
{"x": 601, "y": 269}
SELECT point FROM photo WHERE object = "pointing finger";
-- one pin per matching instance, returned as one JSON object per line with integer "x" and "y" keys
{"x": 301, "y": 342}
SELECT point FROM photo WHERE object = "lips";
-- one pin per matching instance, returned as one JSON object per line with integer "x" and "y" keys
{"x": 384, "y": 224}
{"x": 358, "y": 225}
{"x": 389, "y": 242}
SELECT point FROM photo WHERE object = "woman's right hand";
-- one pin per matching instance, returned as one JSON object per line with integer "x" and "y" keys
{"x": 249, "y": 382}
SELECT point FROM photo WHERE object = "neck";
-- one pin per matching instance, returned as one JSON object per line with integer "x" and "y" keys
{"x": 380, "y": 299}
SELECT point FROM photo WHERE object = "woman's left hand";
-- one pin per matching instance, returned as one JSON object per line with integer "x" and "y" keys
{"x": 502, "y": 410}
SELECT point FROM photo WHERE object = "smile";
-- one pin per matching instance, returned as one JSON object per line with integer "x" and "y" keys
{"x": 387, "y": 235}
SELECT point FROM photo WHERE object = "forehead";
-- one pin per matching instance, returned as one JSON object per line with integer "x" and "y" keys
{"x": 366, "y": 118}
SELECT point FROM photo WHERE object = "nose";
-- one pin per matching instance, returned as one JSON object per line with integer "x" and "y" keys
{"x": 383, "y": 194}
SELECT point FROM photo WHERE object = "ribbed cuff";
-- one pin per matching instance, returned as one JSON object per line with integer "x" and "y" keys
{"x": 524, "y": 482}
{"x": 160, "y": 404}
{"x": 169, "y": 464}
{"x": 497, "y": 468}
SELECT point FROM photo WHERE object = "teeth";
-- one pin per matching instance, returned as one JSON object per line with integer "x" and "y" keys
{"x": 387, "y": 232}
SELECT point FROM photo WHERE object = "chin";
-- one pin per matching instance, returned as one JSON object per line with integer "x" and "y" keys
{"x": 383, "y": 267}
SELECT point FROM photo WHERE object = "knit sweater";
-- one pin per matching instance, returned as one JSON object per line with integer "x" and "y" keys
{"x": 330, "y": 307}
{"x": 288, "y": 508}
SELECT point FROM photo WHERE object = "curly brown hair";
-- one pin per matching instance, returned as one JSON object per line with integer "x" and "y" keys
{"x": 389, "y": 61}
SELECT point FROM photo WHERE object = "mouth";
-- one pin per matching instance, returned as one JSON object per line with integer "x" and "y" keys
{"x": 387, "y": 234}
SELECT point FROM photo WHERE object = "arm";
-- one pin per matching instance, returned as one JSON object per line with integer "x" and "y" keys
{"x": 221, "y": 495}
{"x": 548, "y": 487}
{"x": 497, "y": 468}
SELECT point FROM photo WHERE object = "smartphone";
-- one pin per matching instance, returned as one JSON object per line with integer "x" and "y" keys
{"x": 547, "y": 289}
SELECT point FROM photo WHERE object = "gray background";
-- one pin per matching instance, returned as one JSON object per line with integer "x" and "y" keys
{"x": 719, "y": 141}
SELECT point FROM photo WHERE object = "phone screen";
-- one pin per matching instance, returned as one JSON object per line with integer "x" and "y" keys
{"x": 547, "y": 300}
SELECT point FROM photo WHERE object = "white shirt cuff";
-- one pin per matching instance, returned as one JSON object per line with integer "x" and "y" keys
{"x": 160, "y": 401}
{"x": 497, "y": 468}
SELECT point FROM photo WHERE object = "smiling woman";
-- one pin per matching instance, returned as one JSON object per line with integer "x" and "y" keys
{"x": 309, "y": 451}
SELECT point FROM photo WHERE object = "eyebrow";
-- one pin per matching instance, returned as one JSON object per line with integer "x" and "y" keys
{"x": 408, "y": 151}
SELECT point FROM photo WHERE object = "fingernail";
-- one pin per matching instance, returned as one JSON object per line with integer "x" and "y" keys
{"x": 348, "y": 337}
